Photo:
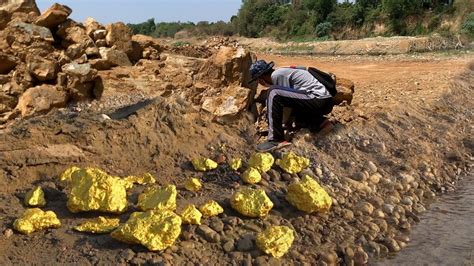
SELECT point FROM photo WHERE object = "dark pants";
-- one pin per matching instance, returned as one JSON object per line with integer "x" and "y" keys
{"x": 306, "y": 108}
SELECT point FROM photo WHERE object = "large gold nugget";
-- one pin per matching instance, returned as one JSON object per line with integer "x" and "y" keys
{"x": 158, "y": 199}
{"x": 156, "y": 230}
{"x": 276, "y": 240}
{"x": 34, "y": 220}
{"x": 251, "y": 202}
{"x": 94, "y": 190}
{"x": 308, "y": 196}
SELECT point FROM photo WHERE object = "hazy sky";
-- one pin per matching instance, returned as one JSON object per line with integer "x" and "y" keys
{"x": 134, "y": 11}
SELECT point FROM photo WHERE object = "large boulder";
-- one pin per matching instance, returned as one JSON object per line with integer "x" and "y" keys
{"x": 147, "y": 41}
{"x": 33, "y": 31}
{"x": 81, "y": 80}
{"x": 229, "y": 66}
{"x": 224, "y": 79}
{"x": 24, "y": 6}
{"x": 228, "y": 103}
{"x": 120, "y": 36}
{"x": 41, "y": 99}
{"x": 115, "y": 57}
{"x": 54, "y": 16}
{"x": 84, "y": 72}
{"x": 71, "y": 32}
{"x": 7, "y": 63}
{"x": 41, "y": 68}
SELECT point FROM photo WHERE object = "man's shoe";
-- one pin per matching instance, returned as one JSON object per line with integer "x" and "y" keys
{"x": 268, "y": 146}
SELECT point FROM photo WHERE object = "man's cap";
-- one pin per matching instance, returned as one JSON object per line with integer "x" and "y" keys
{"x": 259, "y": 68}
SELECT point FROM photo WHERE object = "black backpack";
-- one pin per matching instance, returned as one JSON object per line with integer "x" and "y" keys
{"x": 327, "y": 79}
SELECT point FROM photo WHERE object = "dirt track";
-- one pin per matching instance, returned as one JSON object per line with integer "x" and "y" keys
{"x": 395, "y": 121}
{"x": 388, "y": 81}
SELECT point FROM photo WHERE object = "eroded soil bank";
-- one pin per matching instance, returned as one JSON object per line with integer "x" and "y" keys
{"x": 406, "y": 137}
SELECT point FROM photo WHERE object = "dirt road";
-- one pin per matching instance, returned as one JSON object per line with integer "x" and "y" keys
{"x": 388, "y": 81}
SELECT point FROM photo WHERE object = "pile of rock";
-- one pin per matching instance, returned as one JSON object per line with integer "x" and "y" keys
{"x": 48, "y": 59}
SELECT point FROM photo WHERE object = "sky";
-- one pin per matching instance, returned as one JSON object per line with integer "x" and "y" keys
{"x": 135, "y": 11}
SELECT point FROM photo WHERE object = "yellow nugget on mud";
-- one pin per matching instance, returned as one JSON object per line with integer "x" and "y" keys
{"x": 99, "y": 225}
{"x": 66, "y": 175}
{"x": 191, "y": 215}
{"x": 308, "y": 196}
{"x": 251, "y": 202}
{"x": 34, "y": 220}
{"x": 92, "y": 189}
{"x": 193, "y": 184}
{"x": 162, "y": 198}
{"x": 235, "y": 164}
{"x": 251, "y": 176}
{"x": 292, "y": 163}
{"x": 261, "y": 161}
{"x": 276, "y": 240}
{"x": 204, "y": 164}
{"x": 156, "y": 230}
{"x": 35, "y": 198}
{"x": 211, "y": 208}
{"x": 140, "y": 180}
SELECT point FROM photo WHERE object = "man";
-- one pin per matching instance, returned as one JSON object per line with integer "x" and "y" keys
{"x": 294, "y": 88}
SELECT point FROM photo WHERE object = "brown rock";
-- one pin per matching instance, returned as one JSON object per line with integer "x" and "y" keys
{"x": 92, "y": 26}
{"x": 120, "y": 36}
{"x": 226, "y": 75}
{"x": 147, "y": 41}
{"x": 101, "y": 43}
{"x": 7, "y": 63}
{"x": 4, "y": 19}
{"x": 345, "y": 91}
{"x": 41, "y": 99}
{"x": 99, "y": 35}
{"x": 72, "y": 32}
{"x": 78, "y": 90}
{"x": 228, "y": 66}
{"x": 41, "y": 68}
{"x": 32, "y": 32}
{"x": 23, "y": 6}
{"x": 83, "y": 72}
{"x": 54, "y": 16}
{"x": 228, "y": 103}
{"x": 7, "y": 102}
{"x": 100, "y": 64}
{"x": 115, "y": 57}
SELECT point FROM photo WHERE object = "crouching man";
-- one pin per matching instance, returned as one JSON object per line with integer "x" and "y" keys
{"x": 294, "y": 88}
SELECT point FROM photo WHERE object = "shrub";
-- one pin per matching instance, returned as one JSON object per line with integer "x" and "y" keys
{"x": 468, "y": 25}
{"x": 323, "y": 29}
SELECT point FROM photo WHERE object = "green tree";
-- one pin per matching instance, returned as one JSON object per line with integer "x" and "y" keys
{"x": 320, "y": 8}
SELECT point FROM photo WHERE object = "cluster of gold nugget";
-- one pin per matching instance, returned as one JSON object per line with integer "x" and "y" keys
{"x": 157, "y": 226}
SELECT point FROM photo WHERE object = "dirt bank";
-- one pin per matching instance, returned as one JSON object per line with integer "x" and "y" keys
{"x": 406, "y": 137}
